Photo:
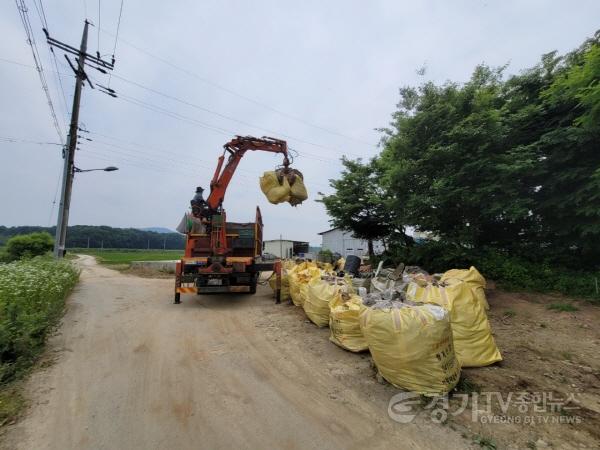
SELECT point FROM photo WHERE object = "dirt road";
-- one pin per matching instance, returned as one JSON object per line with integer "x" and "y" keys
{"x": 133, "y": 371}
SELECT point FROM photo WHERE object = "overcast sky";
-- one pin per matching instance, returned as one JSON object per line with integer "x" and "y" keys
{"x": 321, "y": 74}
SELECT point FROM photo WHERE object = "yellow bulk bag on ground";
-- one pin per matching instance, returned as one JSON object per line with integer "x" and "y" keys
{"x": 302, "y": 294}
{"x": 294, "y": 289}
{"x": 343, "y": 322}
{"x": 284, "y": 294}
{"x": 412, "y": 347}
{"x": 472, "y": 334}
{"x": 316, "y": 305}
{"x": 288, "y": 264}
{"x": 274, "y": 191}
{"x": 326, "y": 267}
{"x": 473, "y": 278}
{"x": 299, "y": 280}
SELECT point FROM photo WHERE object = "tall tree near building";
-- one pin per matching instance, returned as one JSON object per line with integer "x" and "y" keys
{"x": 508, "y": 163}
{"x": 359, "y": 203}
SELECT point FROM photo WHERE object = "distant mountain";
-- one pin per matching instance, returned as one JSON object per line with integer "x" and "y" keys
{"x": 161, "y": 230}
{"x": 107, "y": 237}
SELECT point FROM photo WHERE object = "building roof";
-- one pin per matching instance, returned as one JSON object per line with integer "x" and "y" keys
{"x": 328, "y": 231}
{"x": 285, "y": 240}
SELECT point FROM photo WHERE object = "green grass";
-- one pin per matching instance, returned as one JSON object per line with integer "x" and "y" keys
{"x": 564, "y": 307}
{"x": 485, "y": 443}
{"x": 126, "y": 256}
{"x": 11, "y": 402}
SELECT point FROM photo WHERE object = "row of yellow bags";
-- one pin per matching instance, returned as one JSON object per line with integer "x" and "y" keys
{"x": 421, "y": 347}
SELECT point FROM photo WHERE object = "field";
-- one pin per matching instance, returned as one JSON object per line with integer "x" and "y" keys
{"x": 114, "y": 257}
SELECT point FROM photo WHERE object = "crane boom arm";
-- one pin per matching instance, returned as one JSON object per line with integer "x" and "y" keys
{"x": 236, "y": 148}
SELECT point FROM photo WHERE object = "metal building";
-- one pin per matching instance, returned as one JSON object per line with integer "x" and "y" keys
{"x": 285, "y": 248}
{"x": 344, "y": 243}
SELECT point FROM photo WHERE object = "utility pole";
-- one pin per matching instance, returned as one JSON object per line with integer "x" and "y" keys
{"x": 82, "y": 58}
{"x": 88, "y": 242}
{"x": 165, "y": 244}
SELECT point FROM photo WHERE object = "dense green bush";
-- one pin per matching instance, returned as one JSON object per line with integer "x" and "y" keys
{"x": 32, "y": 296}
{"x": 325, "y": 255}
{"x": 503, "y": 169}
{"x": 28, "y": 246}
{"x": 509, "y": 271}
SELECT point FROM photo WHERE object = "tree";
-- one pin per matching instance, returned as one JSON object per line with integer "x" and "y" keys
{"x": 359, "y": 204}
{"x": 569, "y": 194}
{"x": 449, "y": 165}
{"x": 511, "y": 164}
{"x": 28, "y": 246}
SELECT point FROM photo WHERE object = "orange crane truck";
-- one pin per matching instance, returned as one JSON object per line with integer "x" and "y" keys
{"x": 223, "y": 256}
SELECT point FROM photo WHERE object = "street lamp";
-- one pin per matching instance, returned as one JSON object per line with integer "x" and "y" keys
{"x": 63, "y": 212}
{"x": 106, "y": 169}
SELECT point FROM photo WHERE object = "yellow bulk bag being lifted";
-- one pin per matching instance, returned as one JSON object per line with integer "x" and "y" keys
{"x": 316, "y": 305}
{"x": 412, "y": 347}
{"x": 472, "y": 334}
{"x": 473, "y": 278}
{"x": 343, "y": 322}
{"x": 298, "y": 191}
{"x": 275, "y": 191}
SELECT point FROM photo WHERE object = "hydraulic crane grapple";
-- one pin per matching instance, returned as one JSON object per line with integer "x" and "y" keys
{"x": 223, "y": 256}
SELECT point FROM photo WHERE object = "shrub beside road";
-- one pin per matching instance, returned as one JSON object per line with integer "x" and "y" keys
{"x": 32, "y": 299}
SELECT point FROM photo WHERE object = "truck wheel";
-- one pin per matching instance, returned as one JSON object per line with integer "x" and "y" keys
{"x": 177, "y": 298}
{"x": 254, "y": 283}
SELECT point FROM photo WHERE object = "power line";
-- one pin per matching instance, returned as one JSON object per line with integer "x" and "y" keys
{"x": 99, "y": 25}
{"x": 29, "y": 66}
{"x": 149, "y": 164}
{"x": 175, "y": 115}
{"x": 17, "y": 63}
{"x": 233, "y": 119}
{"x": 181, "y": 159}
{"x": 22, "y": 9}
{"x": 237, "y": 94}
{"x": 42, "y": 15}
{"x": 118, "y": 27}
{"x": 11, "y": 139}
{"x": 41, "y": 12}
{"x": 193, "y": 121}
{"x": 59, "y": 85}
